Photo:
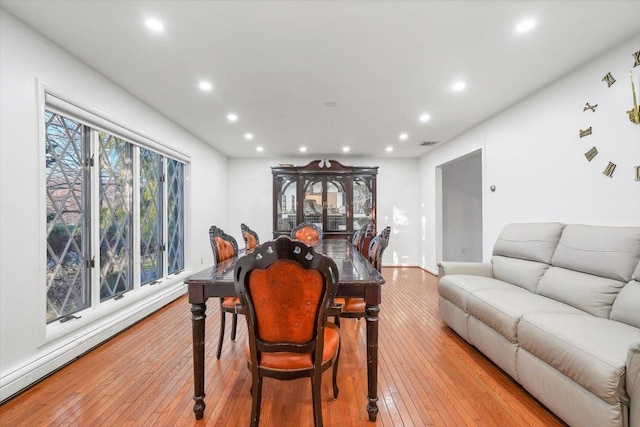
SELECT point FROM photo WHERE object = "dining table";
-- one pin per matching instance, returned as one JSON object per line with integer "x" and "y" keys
{"x": 357, "y": 278}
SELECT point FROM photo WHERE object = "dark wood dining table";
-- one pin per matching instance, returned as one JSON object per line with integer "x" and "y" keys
{"x": 358, "y": 278}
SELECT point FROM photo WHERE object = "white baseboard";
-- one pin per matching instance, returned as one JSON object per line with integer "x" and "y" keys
{"x": 65, "y": 351}
{"x": 427, "y": 269}
{"x": 434, "y": 272}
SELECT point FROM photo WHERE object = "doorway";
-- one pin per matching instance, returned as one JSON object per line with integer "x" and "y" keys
{"x": 461, "y": 209}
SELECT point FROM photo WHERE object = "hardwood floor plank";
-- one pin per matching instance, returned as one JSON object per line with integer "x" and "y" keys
{"x": 428, "y": 376}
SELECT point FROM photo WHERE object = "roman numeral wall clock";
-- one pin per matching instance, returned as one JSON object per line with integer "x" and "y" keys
{"x": 596, "y": 132}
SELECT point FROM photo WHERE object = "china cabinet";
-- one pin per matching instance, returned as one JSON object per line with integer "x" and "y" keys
{"x": 340, "y": 199}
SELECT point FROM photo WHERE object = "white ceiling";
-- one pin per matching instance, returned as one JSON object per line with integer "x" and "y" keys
{"x": 383, "y": 63}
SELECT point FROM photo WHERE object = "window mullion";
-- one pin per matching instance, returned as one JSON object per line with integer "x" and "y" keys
{"x": 135, "y": 270}
{"x": 165, "y": 218}
{"x": 94, "y": 200}
{"x": 162, "y": 258}
{"x": 87, "y": 276}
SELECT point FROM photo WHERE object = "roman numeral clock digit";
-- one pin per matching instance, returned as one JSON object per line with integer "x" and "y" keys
{"x": 608, "y": 171}
{"x": 634, "y": 118}
{"x": 585, "y": 132}
{"x": 609, "y": 79}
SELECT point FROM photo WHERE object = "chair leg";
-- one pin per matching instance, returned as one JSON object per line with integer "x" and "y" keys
{"x": 223, "y": 316}
{"x": 234, "y": 323}
{"x": 335, "y": 373}
{"x": 256, "y": 396}
{"x": 316, "y": 383}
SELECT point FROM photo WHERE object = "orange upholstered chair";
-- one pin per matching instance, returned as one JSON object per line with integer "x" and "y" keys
{"x": 377, "y": 248}
{"x": 224, "y": 247}
{"x": 307, "y": 232}
{"x": 251, "y": 239}
{"x": 286, "y": 290}
{"x": 359, "y": 237}
{"x": 355, "y": 307}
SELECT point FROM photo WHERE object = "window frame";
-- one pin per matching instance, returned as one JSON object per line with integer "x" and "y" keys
{"x": 97, "y": 120}
{"x": 137, "y": 211}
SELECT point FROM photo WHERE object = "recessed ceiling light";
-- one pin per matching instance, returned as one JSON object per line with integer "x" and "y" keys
{"x": 205, "y": 86}
{"x": 424, "y": 117}
{"x": 330, "y": 104}
{"x": 525, "y": 26}
{"x": 346, "y": 149}
{"x": 458, "y": 86}
{"x": 154, "y": 25}
{"x": 303, "y": 149}
{"x": 389, "y": 149}
{"x": 403, "y": 136}
{"x": 259, "y": 149}
{"x": 248, "y": 136}
{"x": 232, "y": 117}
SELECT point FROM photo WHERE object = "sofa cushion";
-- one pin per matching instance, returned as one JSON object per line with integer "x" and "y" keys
{"x": 611, "y": 252}
{"x": 523, "y": 273}
{"x": 502, "y": 309}
{"x": 626, "y": 307}
{"x": 457, "y": 288}
{"x": 593, "y": 294}
{"x": 533, "y": 242}
{"x": 590, "y": 350}
{"x": 522, "y": 253}
{"x": 636, "y": 274}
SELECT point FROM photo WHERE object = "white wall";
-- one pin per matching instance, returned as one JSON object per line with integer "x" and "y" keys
{"x": 534, "y": 157}
{"x": 24, "y": 57}
{"x": 251, "y": 188}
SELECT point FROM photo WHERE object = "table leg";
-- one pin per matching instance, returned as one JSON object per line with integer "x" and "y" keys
{"x": 372, "y": 360}
{"x": 197, "y": 322}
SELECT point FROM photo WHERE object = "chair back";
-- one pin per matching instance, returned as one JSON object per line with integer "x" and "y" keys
{"x": 307, "y": 232}
{"x": 359, "y": 237}
{"x": 286, "y": 288}
{"x": 251, "y": 239}
{"x": 223, "y": 245}
{"x": 377, "y": 247}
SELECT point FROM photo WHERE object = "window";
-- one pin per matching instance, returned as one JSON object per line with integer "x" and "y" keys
{"x": 111, "y": 215}
{"x": 150, "y": 216}
{"x": 115, "y": 187}
{"x": 176, "y": 220}
{"x": 66, "y": 204}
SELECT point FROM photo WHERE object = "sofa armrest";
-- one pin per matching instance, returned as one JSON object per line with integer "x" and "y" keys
{"x": 471, "y": 268}
{"x": 633, "y": 384}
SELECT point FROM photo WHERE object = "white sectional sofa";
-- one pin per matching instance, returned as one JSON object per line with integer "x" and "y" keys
{"x": 558, "y": 309}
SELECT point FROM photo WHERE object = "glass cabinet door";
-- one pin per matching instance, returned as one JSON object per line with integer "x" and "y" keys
{"x": 362, "y": 201}
{"x": 286, "y": 207}
{"x": 336, "y": 204}
{"x": 312, "y": 202}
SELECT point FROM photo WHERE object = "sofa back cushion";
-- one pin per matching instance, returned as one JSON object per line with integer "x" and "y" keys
{"x": 593, "y": 294}
{"x": 523, "y": 252}
{"x": 590, "y": 266}
{"x": 626, "y": 307}
{"x": 611, "y": 252}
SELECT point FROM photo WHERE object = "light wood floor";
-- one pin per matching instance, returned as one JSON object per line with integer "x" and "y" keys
{"x": 143, "y": 377}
